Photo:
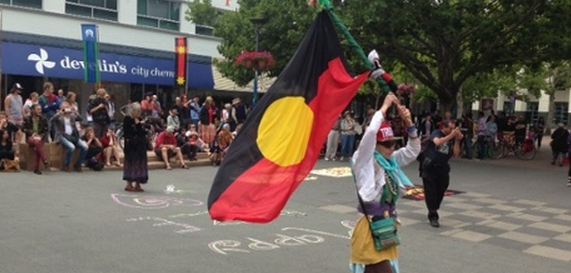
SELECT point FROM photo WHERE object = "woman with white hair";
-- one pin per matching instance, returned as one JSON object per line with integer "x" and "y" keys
{"x": 135, "y": 168}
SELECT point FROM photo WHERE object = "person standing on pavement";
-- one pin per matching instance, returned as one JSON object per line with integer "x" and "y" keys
{"x": 347, "y": 135}
{"x": 435, "y": 171}
{"x": 468, "y": 131}
{"x": 376, "y": 168}
{"x": 539, "y": 131}
{"x": 559, "y": 144}
{"x": 482, "y": 134}
{"x": 99, "y": 110}
{"x": 333, "y": 141}
{"x": 14, "y": 106}
{"x": 135, "y": 167}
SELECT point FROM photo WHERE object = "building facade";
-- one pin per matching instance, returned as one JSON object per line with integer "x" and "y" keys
{"x": 41, "y": 41}
{"x": 532, "y": 108}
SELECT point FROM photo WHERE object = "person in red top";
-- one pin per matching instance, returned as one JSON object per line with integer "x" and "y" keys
{"x": 111, "y": 148}
{"x": 166, "y": 147}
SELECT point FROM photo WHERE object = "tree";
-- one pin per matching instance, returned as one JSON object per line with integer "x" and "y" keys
{"x": 445, "y": 43}
{"x": 201, "y": 12}
{"x": 288, "y": 22}
{"x": 442, "y": 43}
{"x": 549, "y": 78}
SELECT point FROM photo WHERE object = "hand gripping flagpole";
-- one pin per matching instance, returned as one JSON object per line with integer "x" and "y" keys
{"x": 328, "y": 6}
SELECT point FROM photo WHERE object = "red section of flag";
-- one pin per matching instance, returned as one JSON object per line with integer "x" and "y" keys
{"x": 181, "y": 61}
{"x": 260, "y": 193}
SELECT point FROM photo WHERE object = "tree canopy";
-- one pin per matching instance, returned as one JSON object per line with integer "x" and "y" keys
{"x": 444, "y": 44}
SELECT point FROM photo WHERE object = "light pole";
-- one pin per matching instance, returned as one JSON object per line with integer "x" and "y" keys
{"x": 258, "y": 22}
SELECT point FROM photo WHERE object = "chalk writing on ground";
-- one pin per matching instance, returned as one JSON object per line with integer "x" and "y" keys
{"x": 224, "y": 247}
{"x": 152, "y": 201}
{"x": 181, "y": 228}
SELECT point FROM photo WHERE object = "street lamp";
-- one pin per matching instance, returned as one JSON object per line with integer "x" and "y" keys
{"x": 258, "y": 23}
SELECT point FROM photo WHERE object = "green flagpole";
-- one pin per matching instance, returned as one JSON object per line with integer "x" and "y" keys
{"x": 328, "y": 6}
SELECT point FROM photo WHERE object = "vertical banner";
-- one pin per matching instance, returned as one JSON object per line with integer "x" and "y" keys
{"x": 90, "y": 35}
{"x": 181, "y": 61}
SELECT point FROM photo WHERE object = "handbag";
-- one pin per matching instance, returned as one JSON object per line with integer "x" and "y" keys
{"x": 384, "y": 231}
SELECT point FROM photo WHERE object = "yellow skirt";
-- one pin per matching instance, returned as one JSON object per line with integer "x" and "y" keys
{"x": 363, "y": 248}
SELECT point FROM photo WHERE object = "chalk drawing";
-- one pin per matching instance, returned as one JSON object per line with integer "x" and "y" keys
{"x": 225, "y": 246}
{"x": 182, "y": 228}
{"x": 189, "y": 215}
{"x": 152, "y": 201}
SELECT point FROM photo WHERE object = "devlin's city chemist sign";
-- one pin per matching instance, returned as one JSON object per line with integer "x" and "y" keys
{"x": 35, "y": 60}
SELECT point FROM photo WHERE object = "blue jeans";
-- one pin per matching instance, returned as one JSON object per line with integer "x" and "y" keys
{"x": 347, "y": 144}
{"x": 70, "y": 148}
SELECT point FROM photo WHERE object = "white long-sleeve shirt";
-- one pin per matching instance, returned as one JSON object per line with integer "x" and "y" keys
{"x": 369, "y": 175}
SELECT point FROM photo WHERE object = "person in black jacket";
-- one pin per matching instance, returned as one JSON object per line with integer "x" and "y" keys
{"x": 98, "y": 108}
{"x": 559, "y": 144}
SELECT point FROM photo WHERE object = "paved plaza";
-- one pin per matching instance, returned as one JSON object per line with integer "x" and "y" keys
{"x": 513, "y": 216}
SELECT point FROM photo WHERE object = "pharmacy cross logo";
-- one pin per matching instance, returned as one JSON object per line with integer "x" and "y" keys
{"x": 41, "y": 61}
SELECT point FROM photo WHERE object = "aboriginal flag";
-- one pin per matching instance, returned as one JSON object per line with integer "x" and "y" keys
{"x": 282, "y": 138}
{"x": 181, "y": 61}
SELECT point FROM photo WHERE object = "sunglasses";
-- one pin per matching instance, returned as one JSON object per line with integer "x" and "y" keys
{"x": 391, "y": 144}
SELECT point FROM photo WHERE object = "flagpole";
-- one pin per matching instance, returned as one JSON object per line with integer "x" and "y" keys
{"x": 328, "y": 6}
{"x": 258, "y": 22}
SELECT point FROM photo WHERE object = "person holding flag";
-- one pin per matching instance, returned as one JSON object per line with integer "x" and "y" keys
{"x": 378, "y": 177}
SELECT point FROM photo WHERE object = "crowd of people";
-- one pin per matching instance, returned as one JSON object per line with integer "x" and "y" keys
{"x": 96, "y": 139}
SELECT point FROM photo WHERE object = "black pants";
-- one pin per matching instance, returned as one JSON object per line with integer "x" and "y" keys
{"x": 435, "y": 185}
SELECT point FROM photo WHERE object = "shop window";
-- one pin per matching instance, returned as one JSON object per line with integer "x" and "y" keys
{"x": 532, "y": 112}
{"x": 159, "y": 14}
{"x": 100, "y": 9}
{"x": 23, "y": 3}
{"x": 561, "y": 112}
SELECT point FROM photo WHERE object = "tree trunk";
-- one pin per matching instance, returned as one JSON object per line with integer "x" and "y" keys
{"x": 460, "y": 105}
{"x": 550, "y": 112}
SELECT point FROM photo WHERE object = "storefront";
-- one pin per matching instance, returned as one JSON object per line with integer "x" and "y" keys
{"x": 126, "y": 73}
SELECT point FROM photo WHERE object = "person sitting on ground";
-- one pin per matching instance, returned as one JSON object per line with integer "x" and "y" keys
{"x": 112, "y": 149}
{"x": 166, "y": 147}
{"x": 36, "y": 129}
{"x": 94, "y": 150}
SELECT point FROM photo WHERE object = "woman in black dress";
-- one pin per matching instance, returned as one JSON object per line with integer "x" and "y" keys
{"x": 135, "y": 168}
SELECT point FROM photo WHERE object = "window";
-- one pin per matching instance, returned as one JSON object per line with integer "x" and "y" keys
{"x": 204, "y": 30}
{"x": 561, "y": 112}
{"x": 23, "y": 3}
{"x": 101, "y": 9}
{"x": 532, "y": 111}
{"x": 158, "y": 13}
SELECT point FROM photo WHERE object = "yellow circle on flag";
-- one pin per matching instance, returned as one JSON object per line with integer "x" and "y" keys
{"x": 284, "y": 132}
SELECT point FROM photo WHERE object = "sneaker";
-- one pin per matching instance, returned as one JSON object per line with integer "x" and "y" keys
{"x": 38, "y": 172}
{"x": 326, "y": 158}
{"x": 569, "y": 184}
{"x": 333, "y": 159}
{"x": 342, "y": 158}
